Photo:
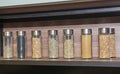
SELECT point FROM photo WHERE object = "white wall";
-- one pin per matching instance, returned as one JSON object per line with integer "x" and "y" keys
{"x": 22, "y": 2}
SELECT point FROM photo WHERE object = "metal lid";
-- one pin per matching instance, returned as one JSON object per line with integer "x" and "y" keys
{"x": 7, "y": 33}
{"x": 112, "y": 31}
{"x": 103, "y": 30}
{"x": 52, "y": 32}
{"x": 86, "y": 31}
{"x": 21, "y": 33}
{"x": 36, "y": 33}
{"x": 68, "y": 31}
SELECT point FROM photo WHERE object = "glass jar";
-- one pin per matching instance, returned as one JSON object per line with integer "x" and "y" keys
{"x": 86, "y": 43}
{"x": 68, "y": 43}
{"x": 36, "y": 44}
{"x": 21, "y": 44}
{"x": 53, "y": 44}
{"x": 104, "y": 43}
{"x": 7, "y": 45}
{"x": 112, "y": 42}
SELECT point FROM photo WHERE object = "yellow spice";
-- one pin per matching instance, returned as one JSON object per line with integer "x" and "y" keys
{"x": 86, "y": 46}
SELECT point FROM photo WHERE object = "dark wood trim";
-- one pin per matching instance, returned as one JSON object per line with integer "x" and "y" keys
{"x": 64, "y": 6}
{"x": 1, "y": 39}
{"x": 94, "y": 12}
{"x": 63, "y": 62}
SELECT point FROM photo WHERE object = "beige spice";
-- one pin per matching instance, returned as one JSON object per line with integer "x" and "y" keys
{"x": 112, "y": 46}
{"x": 68, "y": 49}
{"x": 53, "y": 48}
{"x": 7, "y": 52}
{"x": 36, "y": 48}
{"x": 104, "y": 46}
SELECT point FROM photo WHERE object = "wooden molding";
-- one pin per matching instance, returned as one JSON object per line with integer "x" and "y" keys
{"x": 59, "y": 6}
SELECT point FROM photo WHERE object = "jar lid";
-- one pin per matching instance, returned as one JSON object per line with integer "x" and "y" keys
{"x": 21, "y": 33}
{"x": 52, "y": 32}
{"x": 86, "y": 31}
{"x": 7, "y": 33}
{"x": 103, "y": 30}
{"x": 68, "y": 31}
{"x": 112, "y": 31}
{"x": 36, "y": 33}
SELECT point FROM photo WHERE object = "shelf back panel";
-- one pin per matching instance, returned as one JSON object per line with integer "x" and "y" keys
{"x": 77, "y": 37}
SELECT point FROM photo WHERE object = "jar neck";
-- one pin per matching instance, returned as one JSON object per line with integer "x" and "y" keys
{"x": 7, "y": 36}
{"x": 35, "y": 36}
{"x": 53, "y": 36}
{"x": 68, "y": 37}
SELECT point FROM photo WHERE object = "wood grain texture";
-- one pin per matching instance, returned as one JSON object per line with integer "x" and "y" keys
{"x": 77, "y": 37}
{"x": 62, "y": 22}
{"x": 61, "y": 6}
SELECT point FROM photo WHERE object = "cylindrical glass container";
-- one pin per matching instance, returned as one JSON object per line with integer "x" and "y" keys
{"x": 86, "y": 43}
{"x": 53, "y": 44}
{"x": 36, "y": 44}
{"x": 21, "y": 44}
{"x": 68, "y": 43}
{"x": 112, "y": 42}
{"x": 7, "y": 45}
{"x": 104, "y": 43}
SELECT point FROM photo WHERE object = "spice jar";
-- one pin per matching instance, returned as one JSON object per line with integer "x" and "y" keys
{"x": 68, "y": 43}
{"x": 36, "y": 44}
{"x": 21, "y": 44}
{"x": 104, "y": 43}
{"x": 86, "y": 43}
{"x": 112, "y": 42}
{"x": 7, "y": 45}
{"x": 53, "y": 44}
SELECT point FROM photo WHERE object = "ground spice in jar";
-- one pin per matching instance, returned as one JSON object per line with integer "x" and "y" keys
{"x": 36, "y": 45}
{"x": 53, "y": 48}
{"x": 68, "y": 44}
{"x": 86, "y": 43}
{"x": 7, "y": 45}
{"x": 104, "y": 43}
{"x": 36, "y": 48}
{"x": 68, "y": 49}
{"x": 8, "y": 53}
{"x": 21, "y": 44}
{"x": 53, "y": 44}
{"x": 112, "y": 43}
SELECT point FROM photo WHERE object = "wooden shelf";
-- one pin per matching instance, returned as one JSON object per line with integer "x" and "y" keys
{"x": 68, "y": 12}
{"x": 64, "y": 62}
